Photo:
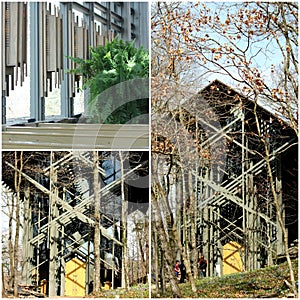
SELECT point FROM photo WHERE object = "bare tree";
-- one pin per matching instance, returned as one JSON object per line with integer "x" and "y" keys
{"x": 13, "y": 205}
{"x": 141, "y": 231}
{"x": 124, "y": 218}
{"x": 97, "y": 233}
{"x": 158, "y": 215}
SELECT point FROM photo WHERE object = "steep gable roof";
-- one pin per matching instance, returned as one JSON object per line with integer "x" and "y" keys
{"x": 218, "y": 88}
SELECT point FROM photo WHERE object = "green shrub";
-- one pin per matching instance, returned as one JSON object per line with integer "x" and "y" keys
{"x": 110, "y": 65}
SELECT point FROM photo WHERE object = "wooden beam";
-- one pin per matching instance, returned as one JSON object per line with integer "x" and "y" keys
{"x": 77, "y": 211}
{"x": 59, "y": 201}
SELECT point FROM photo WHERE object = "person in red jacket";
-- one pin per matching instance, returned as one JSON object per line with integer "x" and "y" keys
{"x": 177, "y": 269}
{"x": 202, "y": 265}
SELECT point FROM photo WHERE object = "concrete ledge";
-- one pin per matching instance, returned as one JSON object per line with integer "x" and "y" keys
{"x": 76, "y": 136}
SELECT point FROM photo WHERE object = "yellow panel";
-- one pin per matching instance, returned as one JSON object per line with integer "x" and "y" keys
{"x": 107, "y": 285}
{"x": 232, "y": 258}
{"x": 75, "y": 278}
{"x": 43, "y": 286}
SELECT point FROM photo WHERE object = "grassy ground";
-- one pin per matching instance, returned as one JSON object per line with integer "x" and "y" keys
{"x": 263, "y": 283}
{"x": 138, "y": 291}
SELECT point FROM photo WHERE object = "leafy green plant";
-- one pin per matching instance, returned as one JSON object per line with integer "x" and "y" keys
{"x": 114, "y": 63}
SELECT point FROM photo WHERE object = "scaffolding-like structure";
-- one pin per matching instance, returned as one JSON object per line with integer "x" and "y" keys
{"x": 235, "y": 202}
{"x": 237, "y": 226}
{"x": 59, "y": 216}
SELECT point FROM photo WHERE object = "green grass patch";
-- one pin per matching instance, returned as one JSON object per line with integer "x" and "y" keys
{"x": 264, "y": 283}
{"x": 137, "y": 291}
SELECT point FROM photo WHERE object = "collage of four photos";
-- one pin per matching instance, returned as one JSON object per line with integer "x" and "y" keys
{"x": 149, "y": 149}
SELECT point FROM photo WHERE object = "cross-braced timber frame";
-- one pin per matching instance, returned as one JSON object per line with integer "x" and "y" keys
{"x": 59, "y": 218}
{"x": 234, "y": 202}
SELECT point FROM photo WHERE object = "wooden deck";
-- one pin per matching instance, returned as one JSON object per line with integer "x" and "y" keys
{"x": 75, "y": 136}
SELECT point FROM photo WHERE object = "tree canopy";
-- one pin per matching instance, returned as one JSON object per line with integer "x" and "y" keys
{"x": 250, "y": 45}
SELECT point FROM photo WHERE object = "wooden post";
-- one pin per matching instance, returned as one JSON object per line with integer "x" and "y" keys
{"x": 278, "y": 183}
{"x": 97, "y": 232}
{"x": 205, "y": 219}
{"x": 62, "y": 276}
{"x": 244, "y": 199}
{"x": 62, "y": 261}
{"x": 251, "y": 222}
{"x": 53, "y": 231}
{"x": 127, "y": 21}
{"x": 27, "y": 249}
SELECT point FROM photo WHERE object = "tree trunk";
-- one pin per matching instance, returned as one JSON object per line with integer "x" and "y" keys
{"x": 192, "y": 213}
{"x": 3, "y": 282}
{"x": 184, "y": 248}
{"x": 156, "y": 258}
{"x": 161, "y": 269}
{"x": 16, "y": 246}
{"x": 141, "y": 236}
{"x": 97, "y": 237}
{"x": 167, "y": 252}
{"x": 124, "y": 217}
{"x": 185, "y": 260}
{"x": 176, "y": 238}
{"x": 147, "y": 237}
{"x": 275, "y": 200}
{"x": 17, "y": 183}
{"x": 10, "y": 242}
